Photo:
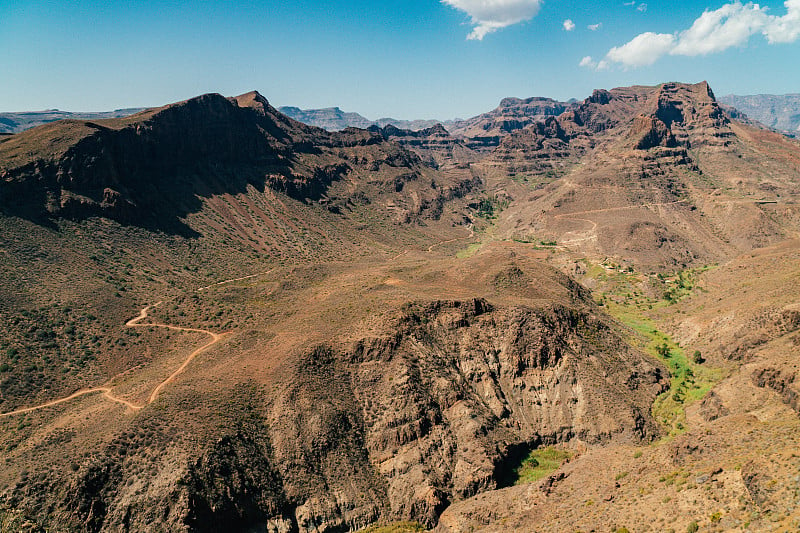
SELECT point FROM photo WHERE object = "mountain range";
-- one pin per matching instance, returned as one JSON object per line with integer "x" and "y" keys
{"x": 781, "y": 112}
{"x": 21, "y": 121}
{"x": 334, "y": 119}
{"x": 552, "y": 316}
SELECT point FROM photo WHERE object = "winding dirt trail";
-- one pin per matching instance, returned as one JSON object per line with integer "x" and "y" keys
{"x": 105, "y": 390}
{"x": 108, "y": 391}
{"x": 215, "y": 338}
{"x": 232, "y": 280}
{"x": 591, "y": 233}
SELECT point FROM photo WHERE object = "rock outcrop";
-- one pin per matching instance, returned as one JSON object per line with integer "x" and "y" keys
{"x": 692, "y": 114}
{"x": 649, "y": 132}
{"x": 434, "y": 406}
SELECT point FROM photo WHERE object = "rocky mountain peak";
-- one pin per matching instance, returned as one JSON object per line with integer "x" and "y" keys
{"x": 511, "y": 115}
{"x": 599, "y": 96}
{"x": 253, "y": 100}
{"x": 691, "y": 112}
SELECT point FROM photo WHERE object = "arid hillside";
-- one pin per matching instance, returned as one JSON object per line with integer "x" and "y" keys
{"x": 562, "y": 316}
{"x": 656, "y": 177}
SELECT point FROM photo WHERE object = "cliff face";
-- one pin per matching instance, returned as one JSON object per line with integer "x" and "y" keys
{"x": 692, "y": 114}
{"x": 512, "y": 114}
{"x": 432, "y": 409}
{"x": 649, "y": 132}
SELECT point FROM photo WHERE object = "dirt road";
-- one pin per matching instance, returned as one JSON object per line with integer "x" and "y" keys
{"x": 108, "y": 391}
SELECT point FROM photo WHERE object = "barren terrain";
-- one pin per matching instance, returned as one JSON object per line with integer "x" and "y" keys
{"x": 556, "y": 318}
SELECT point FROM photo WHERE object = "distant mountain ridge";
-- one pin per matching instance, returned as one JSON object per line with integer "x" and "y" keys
{"x": 16, "y": 122}
{"x": 779, "y": 111}
{"x": 151, "y": 168}
{"x": 334, "y": 119}
{"x": 512, "y": 114}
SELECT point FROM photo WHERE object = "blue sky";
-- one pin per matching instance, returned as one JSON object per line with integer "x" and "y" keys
{"x": 399, "y": 58}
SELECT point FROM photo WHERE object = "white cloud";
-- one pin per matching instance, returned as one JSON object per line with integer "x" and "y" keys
{"x": 569, "y": 25}
{"x": 595, "y": 27}
{"x": 488, "y": 16}
{"x": 642, "y": 50}
{"x": 714, "y": 31}
{"x": 785, "y": 29}
{"x": 641, "y": 7}
{"x": 588, "y": 62}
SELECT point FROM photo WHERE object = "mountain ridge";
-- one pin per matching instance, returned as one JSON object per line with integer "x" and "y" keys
{"x": 334, "y": 119}
{"x": 16, "y": 122}
{"x": 781, "y": 112}
{"x": 775, "y": 111}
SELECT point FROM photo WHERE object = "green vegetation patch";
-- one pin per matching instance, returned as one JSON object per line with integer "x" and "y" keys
{"x": 681, "y": 284}
{"x": 396, "y": 527}
{"x": 489, "y": 207}
{"x": 469, "y": 251}
{"x": 541, "y": 463}
{"x": 538, "y": 244}
{"x": 690, "y": 380}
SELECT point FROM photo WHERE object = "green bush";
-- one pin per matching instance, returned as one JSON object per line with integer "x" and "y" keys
{"x": 540, "y": 463}
{"x": 663, "y": 349}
